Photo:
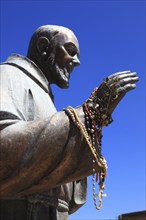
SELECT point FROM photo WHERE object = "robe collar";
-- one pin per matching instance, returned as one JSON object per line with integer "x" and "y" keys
{"x": 31, "y": 70}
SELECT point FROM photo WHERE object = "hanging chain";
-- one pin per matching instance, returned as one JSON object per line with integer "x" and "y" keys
{"x": 98, "y": 159}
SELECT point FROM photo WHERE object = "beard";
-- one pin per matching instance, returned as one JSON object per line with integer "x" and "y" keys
{"x": 58, "y": 75}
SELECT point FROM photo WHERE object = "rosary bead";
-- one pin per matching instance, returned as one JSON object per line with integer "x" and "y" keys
{"x": 92, "y": 130}
{"x": 93, "y": 142}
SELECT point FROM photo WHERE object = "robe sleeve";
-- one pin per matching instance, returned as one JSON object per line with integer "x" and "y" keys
{"x": 40, "y": 154}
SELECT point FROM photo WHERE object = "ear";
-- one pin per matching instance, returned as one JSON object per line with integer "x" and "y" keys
{"x": 43, "y": 45}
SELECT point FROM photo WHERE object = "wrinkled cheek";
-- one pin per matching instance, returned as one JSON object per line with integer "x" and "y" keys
{"x": 62, "y": 57}
{"x": 59, "y": 57}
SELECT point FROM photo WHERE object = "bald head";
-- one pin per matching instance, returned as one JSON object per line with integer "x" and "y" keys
{"x": 55, "y": 50}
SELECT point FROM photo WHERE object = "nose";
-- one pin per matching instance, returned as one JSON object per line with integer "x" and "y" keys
{"x": 76, "y": 61}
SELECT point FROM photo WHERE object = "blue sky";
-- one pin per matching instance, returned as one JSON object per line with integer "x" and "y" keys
{"x": 111, "y": 35}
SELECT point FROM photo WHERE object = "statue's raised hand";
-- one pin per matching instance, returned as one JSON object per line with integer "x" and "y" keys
{"x": 105, "y": 99}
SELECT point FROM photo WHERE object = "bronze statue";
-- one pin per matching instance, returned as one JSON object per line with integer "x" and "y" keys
{"x": 46, "y": 155}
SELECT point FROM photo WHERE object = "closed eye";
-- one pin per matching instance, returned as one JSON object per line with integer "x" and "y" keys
{"x": 71, "y": 49}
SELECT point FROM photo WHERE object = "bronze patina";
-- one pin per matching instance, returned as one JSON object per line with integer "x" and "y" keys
{"x": 46, "y": 155}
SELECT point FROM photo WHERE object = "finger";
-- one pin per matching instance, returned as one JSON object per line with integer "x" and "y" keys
{"x": 126, "y": 88}
{"x": 118, "y": 74}
{"x": 123, "y": 80}
{"x": 122, "y": 76}
{"x": 129, "y": 80}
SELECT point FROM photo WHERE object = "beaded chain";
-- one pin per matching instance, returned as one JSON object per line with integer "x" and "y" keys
{"x": 97, "y": 108}
{"x": 72, "y": 113}
{"x": 96, "y": 117}
{"x": 100, "y": 160}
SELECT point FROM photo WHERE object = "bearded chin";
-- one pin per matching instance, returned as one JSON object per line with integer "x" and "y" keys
{"x": 59, "y": 76}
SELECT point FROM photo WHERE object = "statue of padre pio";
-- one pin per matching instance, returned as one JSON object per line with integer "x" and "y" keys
{"x": 45, "y": 155}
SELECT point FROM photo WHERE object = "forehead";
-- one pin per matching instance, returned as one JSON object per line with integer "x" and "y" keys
{"x": 66, "y": 36}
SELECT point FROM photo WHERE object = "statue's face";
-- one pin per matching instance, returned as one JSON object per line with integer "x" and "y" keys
{"x": 62, "y": 59}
